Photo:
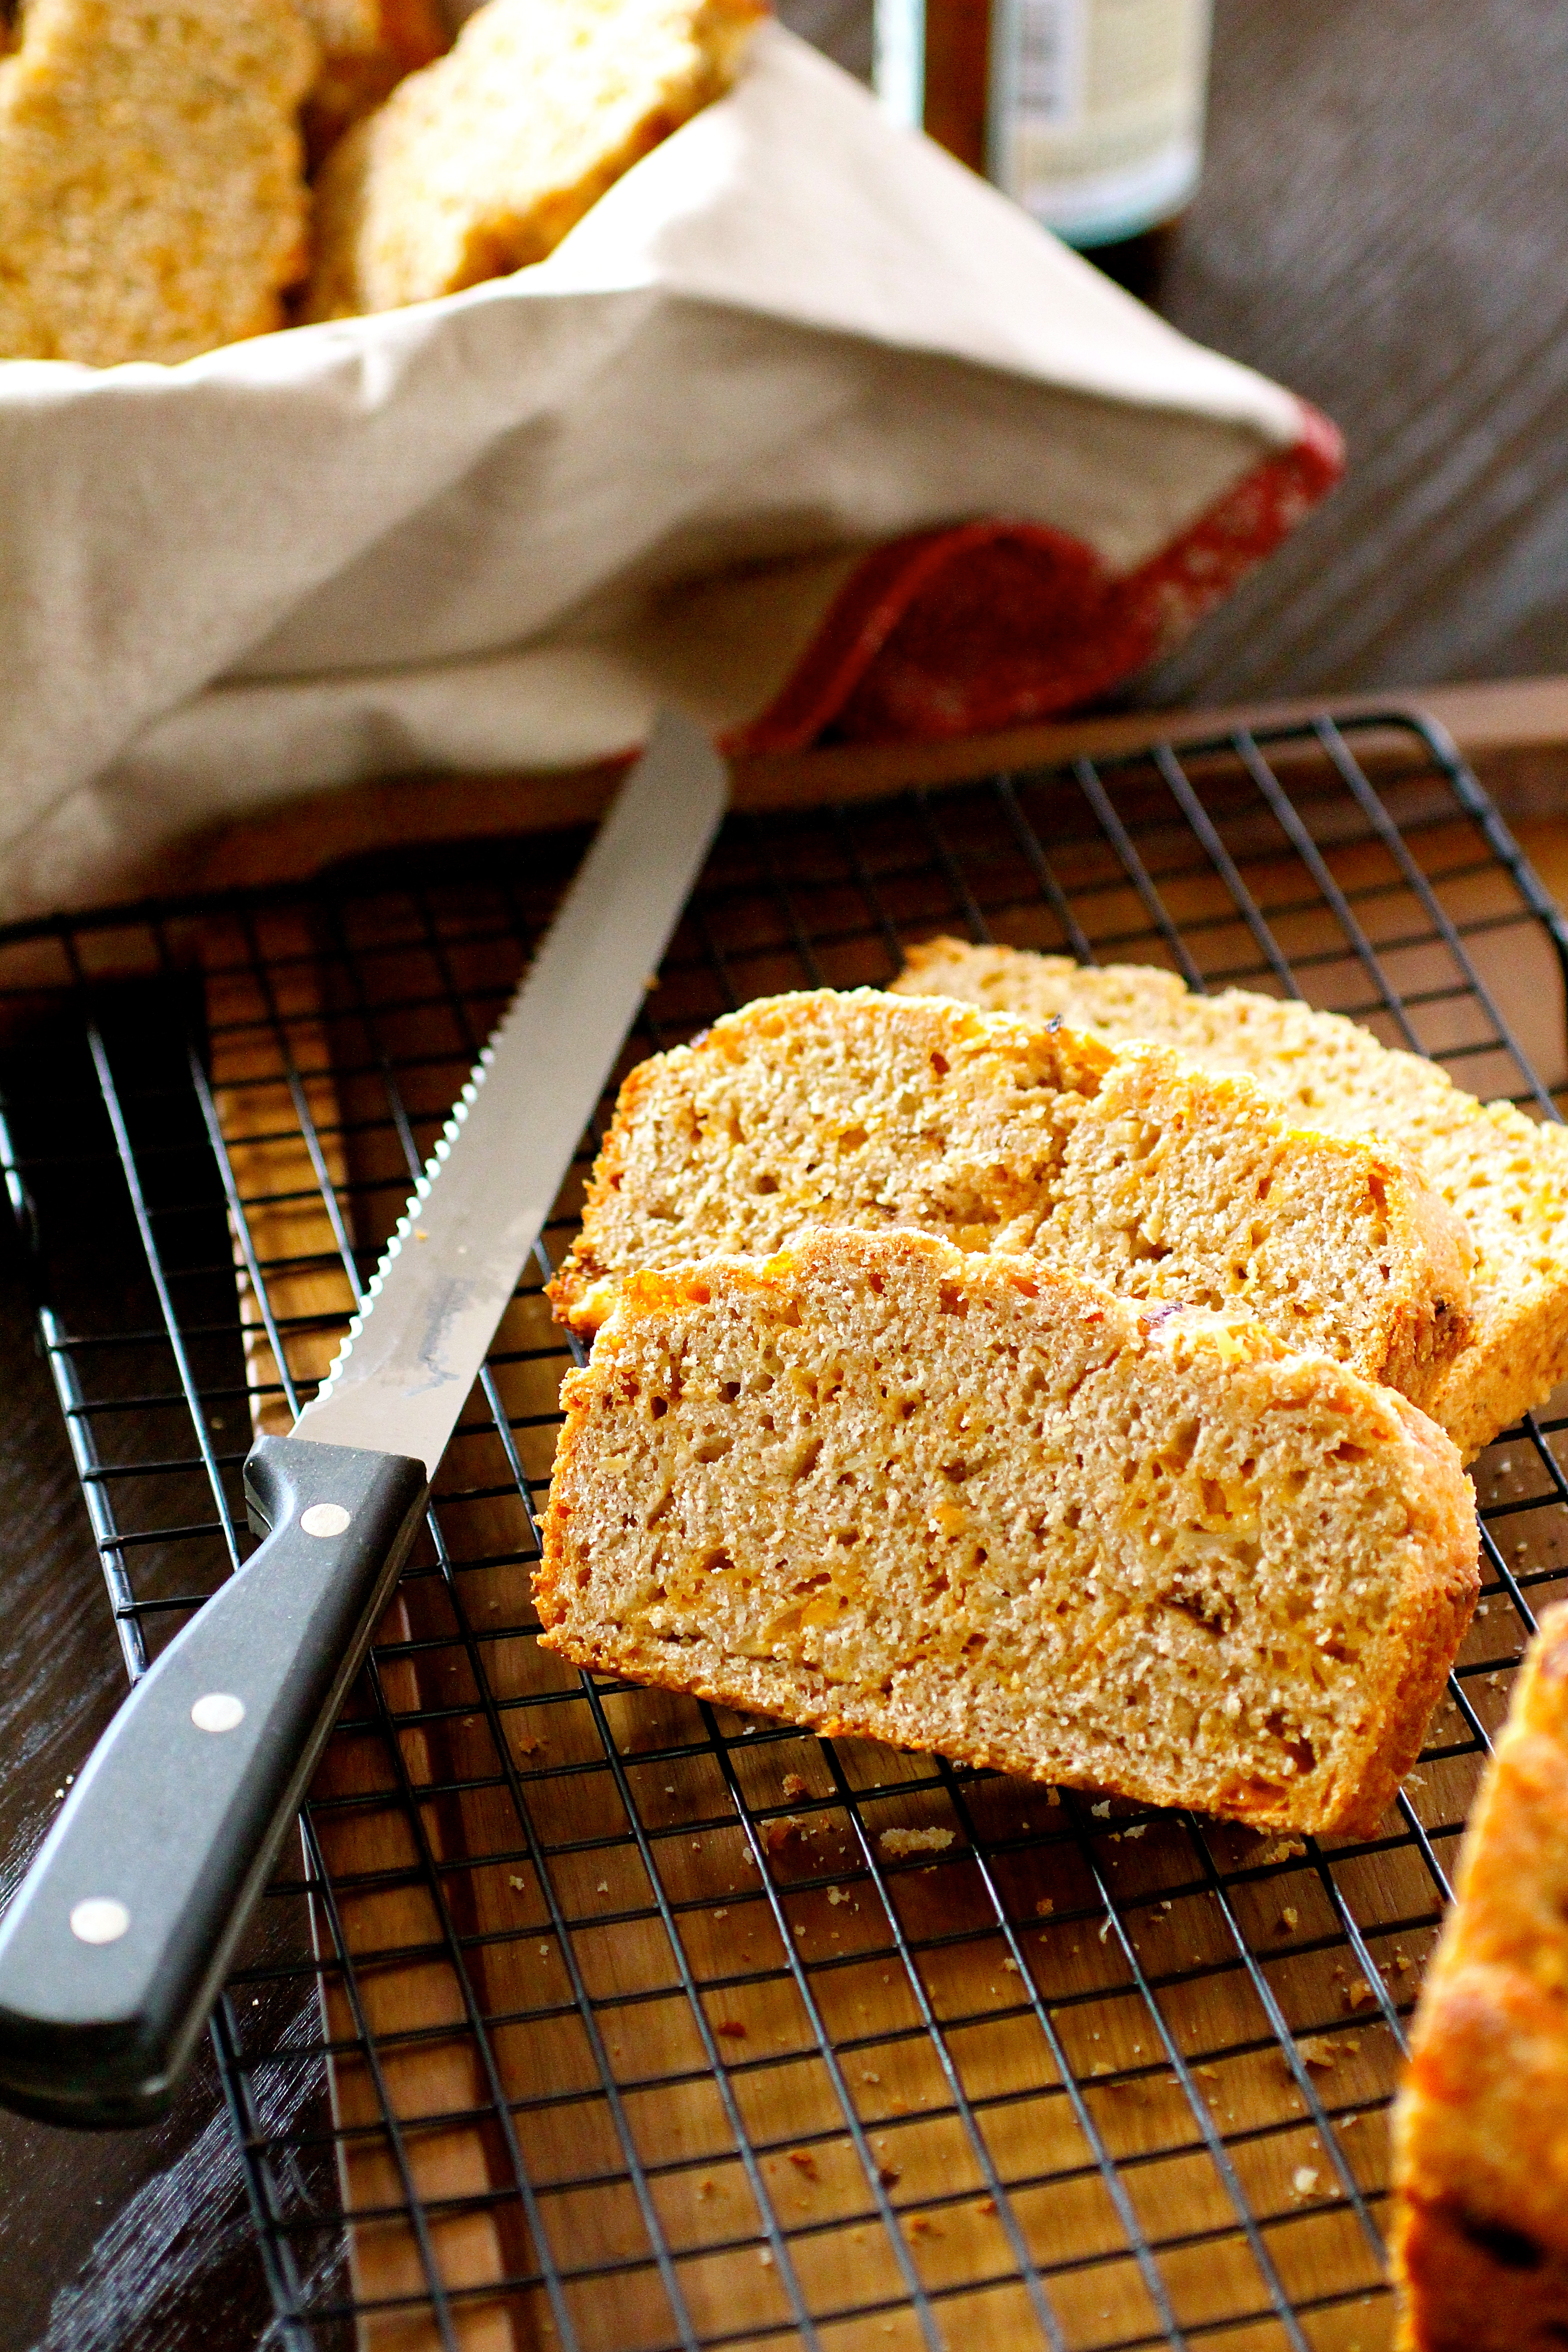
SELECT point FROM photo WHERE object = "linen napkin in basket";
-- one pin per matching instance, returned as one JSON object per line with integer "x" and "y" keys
{"x": 803, "y": 424}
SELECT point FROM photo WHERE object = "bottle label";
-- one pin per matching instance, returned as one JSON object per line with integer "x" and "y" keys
{"x": 897, "y": 67}
{"x": 1097, "y": 111}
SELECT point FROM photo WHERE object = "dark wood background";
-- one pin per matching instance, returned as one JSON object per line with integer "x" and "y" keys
{"x": 1381, "y": 225}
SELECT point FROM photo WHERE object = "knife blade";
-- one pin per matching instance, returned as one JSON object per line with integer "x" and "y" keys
{"x": 112, "y": 1952}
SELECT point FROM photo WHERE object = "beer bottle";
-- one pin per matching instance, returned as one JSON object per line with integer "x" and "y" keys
{"x": 1089, "y": 113}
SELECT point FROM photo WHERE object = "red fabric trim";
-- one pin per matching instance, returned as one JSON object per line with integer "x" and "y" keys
{"x": 992, "y": 624}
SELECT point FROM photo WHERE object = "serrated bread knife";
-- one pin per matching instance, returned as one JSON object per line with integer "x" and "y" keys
{"x": 113, "y": 1950}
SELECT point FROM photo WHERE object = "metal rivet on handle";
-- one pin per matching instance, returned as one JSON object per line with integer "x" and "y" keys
{"x": 100, "y": 1919}
{"x": 217, "y": 1711}
{"x": 324, "y": 1520}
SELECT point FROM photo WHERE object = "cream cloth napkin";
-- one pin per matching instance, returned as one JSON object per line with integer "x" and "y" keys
{"x": 490, "y": 532}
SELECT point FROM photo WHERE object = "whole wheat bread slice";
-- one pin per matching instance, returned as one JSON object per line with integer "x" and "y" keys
{"x": 1507, "y": 1177}
{"x": 965, "y": 1504}
{"x": 1128, "y": 1165}
{"x": 152, "y": 177}
{"x": 1481, "y": 2124}
{"x": 482, "y": 163}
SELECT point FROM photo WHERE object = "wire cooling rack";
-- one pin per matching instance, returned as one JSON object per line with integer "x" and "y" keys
{"x": 600, "y": 2018}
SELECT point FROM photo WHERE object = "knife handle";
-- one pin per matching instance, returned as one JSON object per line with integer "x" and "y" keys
{"x": 113, "y": 1950}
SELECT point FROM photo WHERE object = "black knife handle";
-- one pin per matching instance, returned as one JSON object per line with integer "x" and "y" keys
{"x": 113, "y": 1950}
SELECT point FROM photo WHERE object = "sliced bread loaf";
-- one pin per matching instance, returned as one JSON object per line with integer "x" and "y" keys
{"x": 1128, "y": 1165}
{"x": 484, "y": 160}
{"x": 1481, "y": 2125}
{"x": 152, "y": 177}
{"x": 1507, "y": 1177}
{"x": 960, "y": 1503}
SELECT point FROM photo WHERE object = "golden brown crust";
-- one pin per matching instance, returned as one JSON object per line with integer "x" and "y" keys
{"x": 1481, "y": 2126}
{"x": 367, "y": 49}
{"x": 1505, "y": 1177}
{"x": 1129, "y": 1163}
{"x": 943, "y": 1693}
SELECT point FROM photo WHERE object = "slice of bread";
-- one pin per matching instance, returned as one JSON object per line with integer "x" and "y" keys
{"x": 482, "y": 163}
{"x": 1128, "y": 1165}
{"x": 1507, "y": 1177}
{"x": 1482, "y": 2123}
{"x": 959, "y": 1503}
{"x": 152, "y": 177}
{"x": 367, "y": 47}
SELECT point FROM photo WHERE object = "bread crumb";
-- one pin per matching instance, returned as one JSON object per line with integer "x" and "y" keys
{"x": 1319, "y": 2053}
{"x": 1290, "y": 1918}
{"x": 1304, "y": 2179}
{"x": 902, "y": 1842}
{"x": 837, "y": 1895}
{"x": 518, "y": 1885}
{"x": 732, "y": 2029}
{"x": 793, "y": 1786}
{"x": 1044, "y": 1907}
{"x": 1285, "y": 1848}
{"x": 804, "y": 2162}
{"x": 1358, "y": 1994}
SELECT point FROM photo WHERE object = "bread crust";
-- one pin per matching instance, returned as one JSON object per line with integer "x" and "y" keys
{"x": 939, "y": 1702}
{"x": 367, "y": 49}
{"x": 1083, "y": 1153}
{"x": 1505, "y": 1177}
{"x": 1481, "y": 2243}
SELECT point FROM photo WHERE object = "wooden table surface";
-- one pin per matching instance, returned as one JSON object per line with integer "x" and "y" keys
{"x": 1381, "y": 227}
{"x": 1378, "y": 227}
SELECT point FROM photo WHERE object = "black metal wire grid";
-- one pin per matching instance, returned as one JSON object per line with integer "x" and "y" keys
{"x": 651, "y": 2026}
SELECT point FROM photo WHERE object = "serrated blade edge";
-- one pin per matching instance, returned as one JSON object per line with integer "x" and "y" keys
{"x": 430, "y": 1310}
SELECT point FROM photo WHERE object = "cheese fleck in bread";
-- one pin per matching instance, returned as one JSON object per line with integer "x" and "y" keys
{"x": 367, "y": 47}
{"x": 1481, "y": 2126}
{"x": 1128, "y": 1165}
{"x": 151, "y": 188}
{"x": 962, "y": 1503}
{"x": 1506, "y": 1176}
{"x": 483, "y": 161}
